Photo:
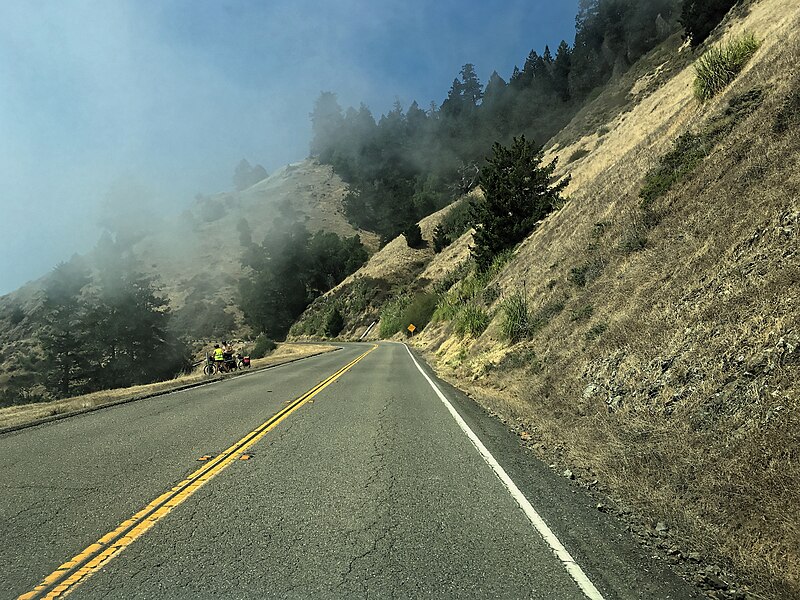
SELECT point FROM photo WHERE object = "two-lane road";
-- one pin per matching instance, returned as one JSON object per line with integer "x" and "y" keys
{"x": 359, "y": 483}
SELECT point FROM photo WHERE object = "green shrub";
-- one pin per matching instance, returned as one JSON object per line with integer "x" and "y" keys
{"x": 334, "y": 323}
{"x": 16, "y": 315}
{"x": 392, "y": 316}
{"x": 582, "y": 313}
{"x": 452, "y": 278}
{"x": 440, "y": 239}
{"x": 490, "y": 293}
{"x": 690, "y": 148}
{"x": 788, "y": 116}
{"x": 455, "y": 223}
{"x": 542, "y": 317}
{"x": 522, "y": 358}
{"x": 420, "y": 310}
{"x": 471, "y": 320}
{"x": 577, "y": 155}
{"x": 635, "y": 238}
{"x": 498, "y": 262}
{"x": 596, "y": 331}
{"x": 263, "y": 346}
{"x": 720, "y": 65}
{"x": 516, "y": 323}
{"x": 587, "y": 272}
{"x": 688, "y": 151}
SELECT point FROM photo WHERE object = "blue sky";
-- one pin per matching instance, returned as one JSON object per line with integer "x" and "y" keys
{"x": 169, "y": 95}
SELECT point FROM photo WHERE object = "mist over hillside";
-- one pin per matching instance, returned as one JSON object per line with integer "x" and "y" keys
{"x": 184, "y": 275}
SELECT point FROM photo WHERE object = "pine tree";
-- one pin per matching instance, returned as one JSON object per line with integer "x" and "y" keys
{"x": 440, "y": 239}
{"x": 413, "y": 235}
{"x": 699, "y": 18}
{"x": 326, "y": 123}
{"x": 128, "y": 323}
{"x": 518, "y": 194}
{"x": 472, "y": 90}
{"x": 63, "y": 338}
{"x": 561, "y": 68}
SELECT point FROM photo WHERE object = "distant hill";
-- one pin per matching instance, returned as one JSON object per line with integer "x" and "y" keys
{"x": 204, "y": 248}
{"x": 196, "y": 258}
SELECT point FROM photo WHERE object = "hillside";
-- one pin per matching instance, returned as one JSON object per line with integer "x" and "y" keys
{"x": 206, "y": 252}
{"x": 394, "y": 269}
{"x": 662, "y": 348}
{"x": 195, "y": 258}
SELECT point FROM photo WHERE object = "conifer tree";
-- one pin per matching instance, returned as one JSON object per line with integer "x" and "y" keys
{"x": 63, "y": 337}
{"x": 518, "y": 193}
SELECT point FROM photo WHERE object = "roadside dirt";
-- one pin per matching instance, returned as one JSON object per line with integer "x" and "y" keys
{"x": 15, "y": 416}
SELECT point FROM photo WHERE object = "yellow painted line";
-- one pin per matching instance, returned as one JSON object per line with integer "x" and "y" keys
{"x": 72, "y": 573}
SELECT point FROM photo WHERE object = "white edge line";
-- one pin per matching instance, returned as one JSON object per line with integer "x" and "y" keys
{"x": 574, "y": 570}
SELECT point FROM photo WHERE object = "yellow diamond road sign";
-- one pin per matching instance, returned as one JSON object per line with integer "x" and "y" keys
{"x": 412, "y": 328}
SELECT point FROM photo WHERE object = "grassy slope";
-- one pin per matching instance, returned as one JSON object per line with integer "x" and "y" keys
{"x": 394, "y": 268}
{"x": 672, "y": 374}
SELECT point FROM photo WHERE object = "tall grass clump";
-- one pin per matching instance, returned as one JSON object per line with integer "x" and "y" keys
{"x": 720, "y": 65}
{"x": 472, "y": 320}
{"x": 516, "y": 323}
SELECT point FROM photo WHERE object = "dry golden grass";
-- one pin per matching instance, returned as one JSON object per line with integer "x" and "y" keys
{"x": 19, "y": 415}
{"x": 686, "y": 405}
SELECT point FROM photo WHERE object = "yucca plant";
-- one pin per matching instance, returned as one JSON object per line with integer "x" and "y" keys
{"x": 720, "y": 65}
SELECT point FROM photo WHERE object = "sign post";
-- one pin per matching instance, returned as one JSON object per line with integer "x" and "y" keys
{"x": 412, "y": 328}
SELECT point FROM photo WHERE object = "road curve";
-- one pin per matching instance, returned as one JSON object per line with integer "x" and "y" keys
{"x": 359, "y": 483}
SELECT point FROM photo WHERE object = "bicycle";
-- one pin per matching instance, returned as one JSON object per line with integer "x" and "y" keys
{"x": 210, "y": 368}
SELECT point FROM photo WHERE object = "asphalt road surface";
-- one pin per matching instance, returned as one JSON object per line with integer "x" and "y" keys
{"x": 320, "y": 481}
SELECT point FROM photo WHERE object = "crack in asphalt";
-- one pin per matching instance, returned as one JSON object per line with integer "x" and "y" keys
{"x": 380, "y": 486}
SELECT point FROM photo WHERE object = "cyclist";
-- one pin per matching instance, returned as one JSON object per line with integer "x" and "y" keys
{"x": 219, "y": 357}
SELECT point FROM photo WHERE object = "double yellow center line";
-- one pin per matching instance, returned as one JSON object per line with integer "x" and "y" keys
{"x": 73, "y": 572}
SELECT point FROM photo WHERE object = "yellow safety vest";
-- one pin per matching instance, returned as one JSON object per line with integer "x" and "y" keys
{"x": 218, "y": 354}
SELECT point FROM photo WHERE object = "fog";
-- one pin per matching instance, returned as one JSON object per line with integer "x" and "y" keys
{"x": 167, "y": 97}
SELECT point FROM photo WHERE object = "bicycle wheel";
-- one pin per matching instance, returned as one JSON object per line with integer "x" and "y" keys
{"x": 209, "y": 369}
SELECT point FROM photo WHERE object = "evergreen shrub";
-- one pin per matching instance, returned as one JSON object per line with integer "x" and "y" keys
{"x": 263, "y": 346}
{"x": 334, "y": 323}
{"x": 420, "y": 310}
